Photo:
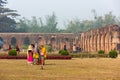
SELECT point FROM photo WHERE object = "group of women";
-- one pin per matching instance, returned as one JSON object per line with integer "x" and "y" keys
{"x": 36, "y": 54}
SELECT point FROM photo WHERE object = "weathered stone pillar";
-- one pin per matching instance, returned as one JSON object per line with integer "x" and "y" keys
{"x": 95, "y": 43}
{"x": 92, "y": 44}
{"x": 98, "y": 42}
{"x": 88, "y": 44}
{"x": 83, "y": 44}
{"x": 102, "y": 43}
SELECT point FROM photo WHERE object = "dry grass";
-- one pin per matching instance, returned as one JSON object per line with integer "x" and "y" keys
{"x": 75, "y": 69}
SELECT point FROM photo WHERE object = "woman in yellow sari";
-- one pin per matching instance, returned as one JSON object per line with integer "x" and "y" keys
{"x": 36, "y": 54}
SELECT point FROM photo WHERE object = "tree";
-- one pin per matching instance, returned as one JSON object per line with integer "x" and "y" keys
{"x": 99, "y": 22}
{"x": 36, "y": 24}
{"x": 51, "y": 23}
{"x": 7, "y": 18}
{"x": 22, "y": 26}
{"x": 94, "y": 13}
{"x": 2, "y": 2}
{"x": 77, "y": 26}
{"x": 74, "y": 26}
{"x": 109, "y": 19}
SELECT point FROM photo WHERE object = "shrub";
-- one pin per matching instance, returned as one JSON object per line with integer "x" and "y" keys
{"x": 113, "y": 54}
{"x": 12, "y": 52}
{"x": 101, "y": 52}
{"x": 49, "y": 48}
{"x": 63, "y": 52}
{"x": 60, "y": 51}
{"x": 24, "y": 46}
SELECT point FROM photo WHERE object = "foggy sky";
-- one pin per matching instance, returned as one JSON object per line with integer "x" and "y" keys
{"x": 64, "y": 9}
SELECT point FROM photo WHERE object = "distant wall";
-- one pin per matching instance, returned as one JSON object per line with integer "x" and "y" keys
{"x": 57, "y": 41}
{"x": 105, "y": 38}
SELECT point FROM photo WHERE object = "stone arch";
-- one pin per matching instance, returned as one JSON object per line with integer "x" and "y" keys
{"x": 92, "y": 47}
{"x": 99, "y": 42}
{"x": 110, "y": 41}
{"x": 86, "y": 46}
{"x": 81, "y": 43}
{"x": 103, "y": 42}
{"x": 60, "y": 43}
{"x": 53, "y": 42}
{"x": 26, "y": 41}
{"x": 1, "y": 42}
{"x": 90, "y": 43}
{"x": 107, "y": 42}
{"x": 1, "y": 39}
{"x": 66, "y": 43}
{"x": 95, "y": 43}
{"x": 13, "y": 41}
{"x": 84, "y": 43}
{"x": 39, "y": 40}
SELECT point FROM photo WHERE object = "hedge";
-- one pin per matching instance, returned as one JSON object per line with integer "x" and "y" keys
{"x": 25, "y": 57}
{"x": 88, "y": 55}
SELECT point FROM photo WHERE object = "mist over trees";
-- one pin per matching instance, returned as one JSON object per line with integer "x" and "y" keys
{"x": 76, "y": 26}
{"x": 38, "y": 25}
{"x": 50, "y": 22}
{"x": 49, "y": 25}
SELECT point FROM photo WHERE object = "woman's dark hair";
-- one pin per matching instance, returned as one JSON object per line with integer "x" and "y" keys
{"x": 33, "y": 45}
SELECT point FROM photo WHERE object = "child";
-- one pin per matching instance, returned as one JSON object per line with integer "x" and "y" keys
{"x": 43, "y": 55}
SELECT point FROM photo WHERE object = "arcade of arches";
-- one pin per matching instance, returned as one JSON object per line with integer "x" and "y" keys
{"x": 56, "y": 41}
{"x": 105, "y": 38}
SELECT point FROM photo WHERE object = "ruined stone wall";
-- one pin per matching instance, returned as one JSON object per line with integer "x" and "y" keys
{"x": 57, "y": 41}
{"x": 105, "y": 38}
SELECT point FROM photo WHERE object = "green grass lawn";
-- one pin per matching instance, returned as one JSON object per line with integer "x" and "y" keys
{"x": 74, "y": 69}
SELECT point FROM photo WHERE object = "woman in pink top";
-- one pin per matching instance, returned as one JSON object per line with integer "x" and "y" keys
{"x": 30, "y": 54}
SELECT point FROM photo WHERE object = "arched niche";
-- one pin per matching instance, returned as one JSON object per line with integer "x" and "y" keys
{"x": 26, "y": 41}
{"x": 1, "y": 42}
{"x": 13, "y": 41}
